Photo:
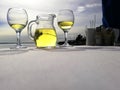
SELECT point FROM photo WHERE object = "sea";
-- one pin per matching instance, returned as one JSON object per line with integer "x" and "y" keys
{"x": 10, "y": 40}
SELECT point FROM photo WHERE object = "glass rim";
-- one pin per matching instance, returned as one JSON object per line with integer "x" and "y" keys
{"x": 66, "y": 10}
{"x": 17, "y": 8}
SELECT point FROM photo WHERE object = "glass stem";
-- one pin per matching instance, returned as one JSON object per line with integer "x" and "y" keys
{"x": 66, "y": 38}
{"x": 18, "y": 34}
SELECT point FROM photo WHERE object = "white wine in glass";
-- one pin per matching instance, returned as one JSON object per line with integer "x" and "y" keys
{"x": 65, "y": 21}
{"x": 17, "y": 27}
{"x": 17, "y": 19}
{"x": 65, "y": 25}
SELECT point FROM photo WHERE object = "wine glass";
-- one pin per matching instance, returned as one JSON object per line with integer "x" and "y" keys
{"x": 65, "y": 21}
{"x": 17, "y": 19}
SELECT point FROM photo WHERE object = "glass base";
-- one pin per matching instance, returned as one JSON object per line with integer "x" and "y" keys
{"x": 18, "y": 47}
{"x": 66, "y": 45}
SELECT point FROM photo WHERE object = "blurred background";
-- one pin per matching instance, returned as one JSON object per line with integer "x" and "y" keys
{"x": 88, "y": 13}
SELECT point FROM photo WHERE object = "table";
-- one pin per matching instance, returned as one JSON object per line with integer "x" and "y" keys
{"x": 74, "y": 68}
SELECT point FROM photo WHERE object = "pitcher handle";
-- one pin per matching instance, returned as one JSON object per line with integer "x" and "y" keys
{"x": 29, "y": 29}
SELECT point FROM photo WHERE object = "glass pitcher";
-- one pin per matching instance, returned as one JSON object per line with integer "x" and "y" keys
{"x": 44, "y": 34}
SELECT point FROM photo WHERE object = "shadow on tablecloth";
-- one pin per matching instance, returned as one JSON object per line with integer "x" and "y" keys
{"x": 85, "y": 48}
{"x": 11, "y": 51}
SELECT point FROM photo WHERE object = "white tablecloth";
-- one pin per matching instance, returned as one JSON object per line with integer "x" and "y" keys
{"x": 75, "y": 68}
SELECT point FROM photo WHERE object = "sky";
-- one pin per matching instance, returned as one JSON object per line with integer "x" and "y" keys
{"x": 85, "y": 12}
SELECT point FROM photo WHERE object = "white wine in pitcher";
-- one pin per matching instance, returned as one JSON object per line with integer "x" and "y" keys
{"x": 45, "y": 37}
